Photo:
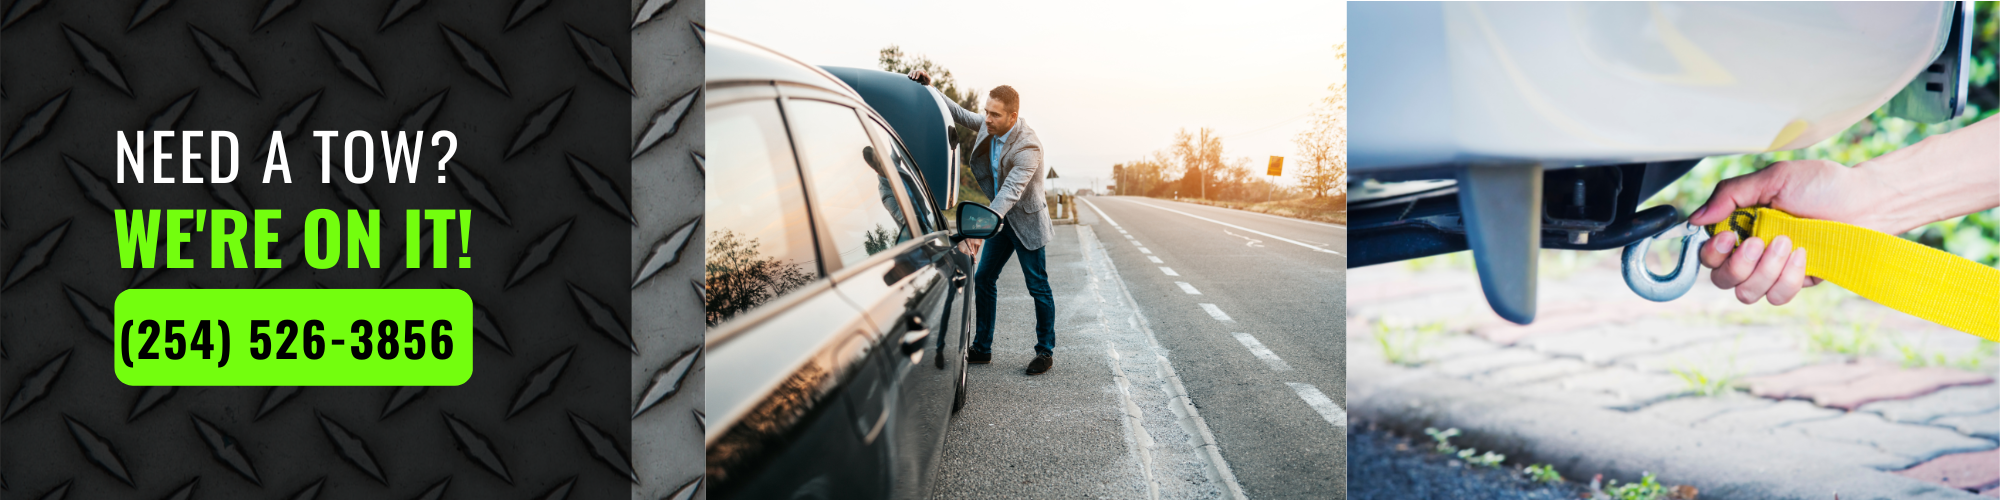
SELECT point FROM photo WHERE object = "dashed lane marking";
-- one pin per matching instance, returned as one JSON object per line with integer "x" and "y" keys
{"x": 1264, "y": 353}
{"x": 1216, "y": 312}
{"x": 1185, "y": 287}
{"x": 1169, "y": 271}
{"x": 1320, "y": 403}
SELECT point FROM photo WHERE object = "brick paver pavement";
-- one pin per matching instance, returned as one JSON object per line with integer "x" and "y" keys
{"x": 1860, "y": 383}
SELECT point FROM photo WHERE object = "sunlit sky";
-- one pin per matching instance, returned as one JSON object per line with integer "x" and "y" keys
{"x": 1101, "y": 82}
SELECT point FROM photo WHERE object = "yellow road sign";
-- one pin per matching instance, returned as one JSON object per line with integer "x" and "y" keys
{"x": 1277, "y": 166}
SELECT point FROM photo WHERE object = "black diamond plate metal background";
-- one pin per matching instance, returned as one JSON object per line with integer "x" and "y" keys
{"x": 666, "y": 247}
{"x": 586, "y": 381}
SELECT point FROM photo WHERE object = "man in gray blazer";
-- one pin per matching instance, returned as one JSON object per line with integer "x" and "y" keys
{"x": 1006, "y": 160}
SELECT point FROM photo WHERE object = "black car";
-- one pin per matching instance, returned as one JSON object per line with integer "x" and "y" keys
{"x": 836, "y": 301}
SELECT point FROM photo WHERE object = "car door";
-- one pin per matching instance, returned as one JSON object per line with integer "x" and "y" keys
{"x": 886, "y": 269}
{"x": 927, "y": 383}
{"x": 791, "y": 361}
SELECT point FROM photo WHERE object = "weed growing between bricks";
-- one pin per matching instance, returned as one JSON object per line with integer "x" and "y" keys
{"x": 1519, "y": 480}
{"x": 1387, "y": 465}
{"x": 1403, "y": 342}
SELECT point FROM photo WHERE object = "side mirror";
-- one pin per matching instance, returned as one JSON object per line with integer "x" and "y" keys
{"x": 976, "y": 221}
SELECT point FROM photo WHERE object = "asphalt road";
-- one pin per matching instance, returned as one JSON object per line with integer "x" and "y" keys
{"x": 1270, "y": 378}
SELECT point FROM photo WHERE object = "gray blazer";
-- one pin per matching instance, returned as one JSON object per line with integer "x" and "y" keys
{"x": 1020, "y": 196}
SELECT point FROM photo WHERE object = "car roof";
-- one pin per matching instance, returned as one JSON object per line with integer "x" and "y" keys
{"x": 915, "y": 113}
{"x": 733, "y": 59}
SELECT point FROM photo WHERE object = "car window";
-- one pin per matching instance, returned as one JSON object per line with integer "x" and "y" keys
{"x": 918, "y": 201}
{"x": 854, "y": 198}
{"x": 904, "y": 165}
{"x": 760, "y": 243}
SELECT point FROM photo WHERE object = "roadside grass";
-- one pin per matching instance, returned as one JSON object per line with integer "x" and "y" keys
{"x": 1329, "y": 209}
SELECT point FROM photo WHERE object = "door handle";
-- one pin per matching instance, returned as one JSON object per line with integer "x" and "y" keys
{"x": 914, "y": 335}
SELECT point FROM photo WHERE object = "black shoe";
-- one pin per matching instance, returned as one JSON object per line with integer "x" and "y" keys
{"x": 979, "y": 358}
{"x": 1041, "y": 364}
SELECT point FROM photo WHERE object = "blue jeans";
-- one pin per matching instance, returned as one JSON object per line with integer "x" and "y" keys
{"x": 1035, "y": 267}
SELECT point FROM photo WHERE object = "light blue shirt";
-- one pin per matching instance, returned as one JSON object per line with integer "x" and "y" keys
{"x": 993, "y": 156}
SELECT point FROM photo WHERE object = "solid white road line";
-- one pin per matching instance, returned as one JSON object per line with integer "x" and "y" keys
{"x": 1216, "y": 312}
{"x": 1185, "y": 287}
{"x": 1279, "y": 217}
{"x": 1257, "y": 349}
{"x": 1100, "y": 213}
{"x": 1169, "y": 271}
{"x": 1279, "y": 238}
{"x": 1320, "y": 403}
{"x": 1156, "y": 260}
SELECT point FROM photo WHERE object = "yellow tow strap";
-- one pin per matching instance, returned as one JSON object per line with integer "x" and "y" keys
{"x": 1905, "y": 275}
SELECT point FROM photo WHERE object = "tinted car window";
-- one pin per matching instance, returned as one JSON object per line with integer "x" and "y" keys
{"x": 903, "y": 166}
{"x": 854, "y": 198}
{"x": 760, "y": 243}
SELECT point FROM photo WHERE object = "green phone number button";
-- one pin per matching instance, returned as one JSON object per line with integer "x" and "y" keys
{"x": 321, "y": 337}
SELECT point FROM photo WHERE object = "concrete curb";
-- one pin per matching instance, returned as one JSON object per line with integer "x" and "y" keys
{"x": 1582, "y": 440}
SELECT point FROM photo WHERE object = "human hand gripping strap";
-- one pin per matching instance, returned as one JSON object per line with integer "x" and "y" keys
{"x": 1904, "y": 275}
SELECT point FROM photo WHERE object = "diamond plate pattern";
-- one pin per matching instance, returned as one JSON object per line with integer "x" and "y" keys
{"x": 538, "y": 160}
{"x": 667, "y": 320}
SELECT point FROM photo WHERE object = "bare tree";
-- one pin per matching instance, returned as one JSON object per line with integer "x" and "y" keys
{"x": 1199, "y": 154}
{"x": 1323, "y": 145}
{"x": 738, "y": 277}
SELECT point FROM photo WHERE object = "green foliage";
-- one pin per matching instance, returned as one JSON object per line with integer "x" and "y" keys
{"x": 1449, "y": 261}
{"x": 1701, "y": 383}
{"x": 1915, "y": 356}
{"x": 1443, "y": 445}
{"x": 1488, "y": 459}
{"x": 1648, "y": 488}
{"x": 1403, "y": 343}
{"x": 1543, "y": 473}
{"x": 879, "y": 239}
{"x": 892, "y": 59}
{"x": 1975, "y": 236}
{"x": 1859, "y": 339}
{"x": 1443, "y": 438}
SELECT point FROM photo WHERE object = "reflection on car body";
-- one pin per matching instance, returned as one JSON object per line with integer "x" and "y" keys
{"x": 836, "y": 323}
